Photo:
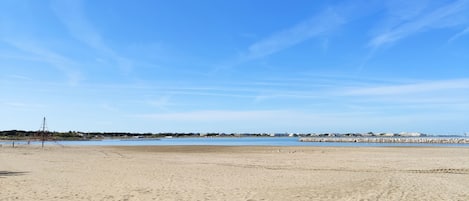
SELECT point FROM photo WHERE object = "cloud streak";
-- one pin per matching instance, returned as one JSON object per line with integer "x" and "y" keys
{"x": 445, "y": 85}
{"x": 217, "y": 115}
{"x": 296, "y": 121}
{"x": 460, "y": 34}
{"x": 318, "y": 25}
{"x": 442, "y": 95}
{"x": 22, "y": 106}
{"x": 72, "y": 15}
{"x": 446, "y": 16}
{"x": 56, "y": 60}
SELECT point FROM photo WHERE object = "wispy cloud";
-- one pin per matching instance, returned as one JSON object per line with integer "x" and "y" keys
{"x": 72, "y": 15}
{"x": 61, "y": 63}
{"x": 403, "y": 10}
{"x": 297, "y": 121}
{"x": 216, "y": 115}
{"x": 460, "y": 34}
{"x": 318, "y": 25}
{"x": 161, "y": 103}
{"x": 456, "y": 84}
{"x": 22, "y": 105}
{"x": 19, "y": 77}
{"x": 108, "y": 107}
{"x": 443, "y": 95}
{"x": 302, "y": 86}
{"x": 446, "y": 16}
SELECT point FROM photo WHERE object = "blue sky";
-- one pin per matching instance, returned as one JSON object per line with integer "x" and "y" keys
{"x": 235, "y": 66}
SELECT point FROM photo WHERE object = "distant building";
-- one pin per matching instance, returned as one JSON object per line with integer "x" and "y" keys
{"x": 279, "y": 135}
{"x": 410, "y": 134}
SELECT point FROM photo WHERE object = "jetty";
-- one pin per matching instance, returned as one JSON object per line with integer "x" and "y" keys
{"x": 424, "y": 140}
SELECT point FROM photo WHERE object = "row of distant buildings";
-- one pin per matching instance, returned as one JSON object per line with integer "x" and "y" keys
{"x": 369, "y": 134}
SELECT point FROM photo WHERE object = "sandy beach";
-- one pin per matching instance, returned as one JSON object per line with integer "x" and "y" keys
{"x": 233, "y": 173}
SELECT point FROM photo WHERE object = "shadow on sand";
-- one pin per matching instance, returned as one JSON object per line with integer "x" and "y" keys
{"x": 10, "y": 173}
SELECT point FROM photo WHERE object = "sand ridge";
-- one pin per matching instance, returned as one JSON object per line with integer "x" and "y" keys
{"x": 233, "y": 173}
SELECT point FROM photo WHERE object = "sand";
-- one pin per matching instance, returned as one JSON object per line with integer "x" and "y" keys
{"x": 233, "y": 173}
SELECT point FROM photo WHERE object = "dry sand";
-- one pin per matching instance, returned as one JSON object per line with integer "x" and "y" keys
{"x": 233, "y": 173}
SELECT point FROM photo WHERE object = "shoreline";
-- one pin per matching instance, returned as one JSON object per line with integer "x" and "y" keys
{"x": 262, "y": 141}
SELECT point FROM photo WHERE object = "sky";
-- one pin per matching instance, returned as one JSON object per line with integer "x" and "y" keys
{"x": 235, "y": 66}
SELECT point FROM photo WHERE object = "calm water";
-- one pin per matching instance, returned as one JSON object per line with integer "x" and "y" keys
{"x": 243, "y": 141}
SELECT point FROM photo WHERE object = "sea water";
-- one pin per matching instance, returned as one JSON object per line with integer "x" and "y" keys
{"x": 227, "y": 141}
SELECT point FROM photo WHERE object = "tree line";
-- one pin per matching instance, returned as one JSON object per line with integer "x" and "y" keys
{"x": 77, "y": 135}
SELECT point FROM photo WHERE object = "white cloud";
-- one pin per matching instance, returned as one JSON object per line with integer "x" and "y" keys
{"x": 453, "y": 14}
{"x": 56, "y": 60}
{"x": 161, "y": 103}
{"x": 424, "y": 87}
{"x": 72, "y": 15}
{"x": 22, "y": 105}
{"x": 460, "y": 34}
{"x": 19, "y": 77}
{"x": 316, "y": 26}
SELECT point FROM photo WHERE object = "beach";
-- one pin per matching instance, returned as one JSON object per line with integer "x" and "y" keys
{"x": 233, "y": 173}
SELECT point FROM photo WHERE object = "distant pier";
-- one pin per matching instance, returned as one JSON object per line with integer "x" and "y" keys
{"x": 425, "y": 140}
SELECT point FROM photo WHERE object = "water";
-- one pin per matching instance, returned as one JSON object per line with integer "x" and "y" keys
{"x": 243, "y": 141}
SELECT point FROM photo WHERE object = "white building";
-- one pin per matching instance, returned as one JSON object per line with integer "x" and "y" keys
{"x": 410, "y": 134}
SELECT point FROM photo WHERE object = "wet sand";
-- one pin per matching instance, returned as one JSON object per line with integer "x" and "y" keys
{"x": 233, "y": 173}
